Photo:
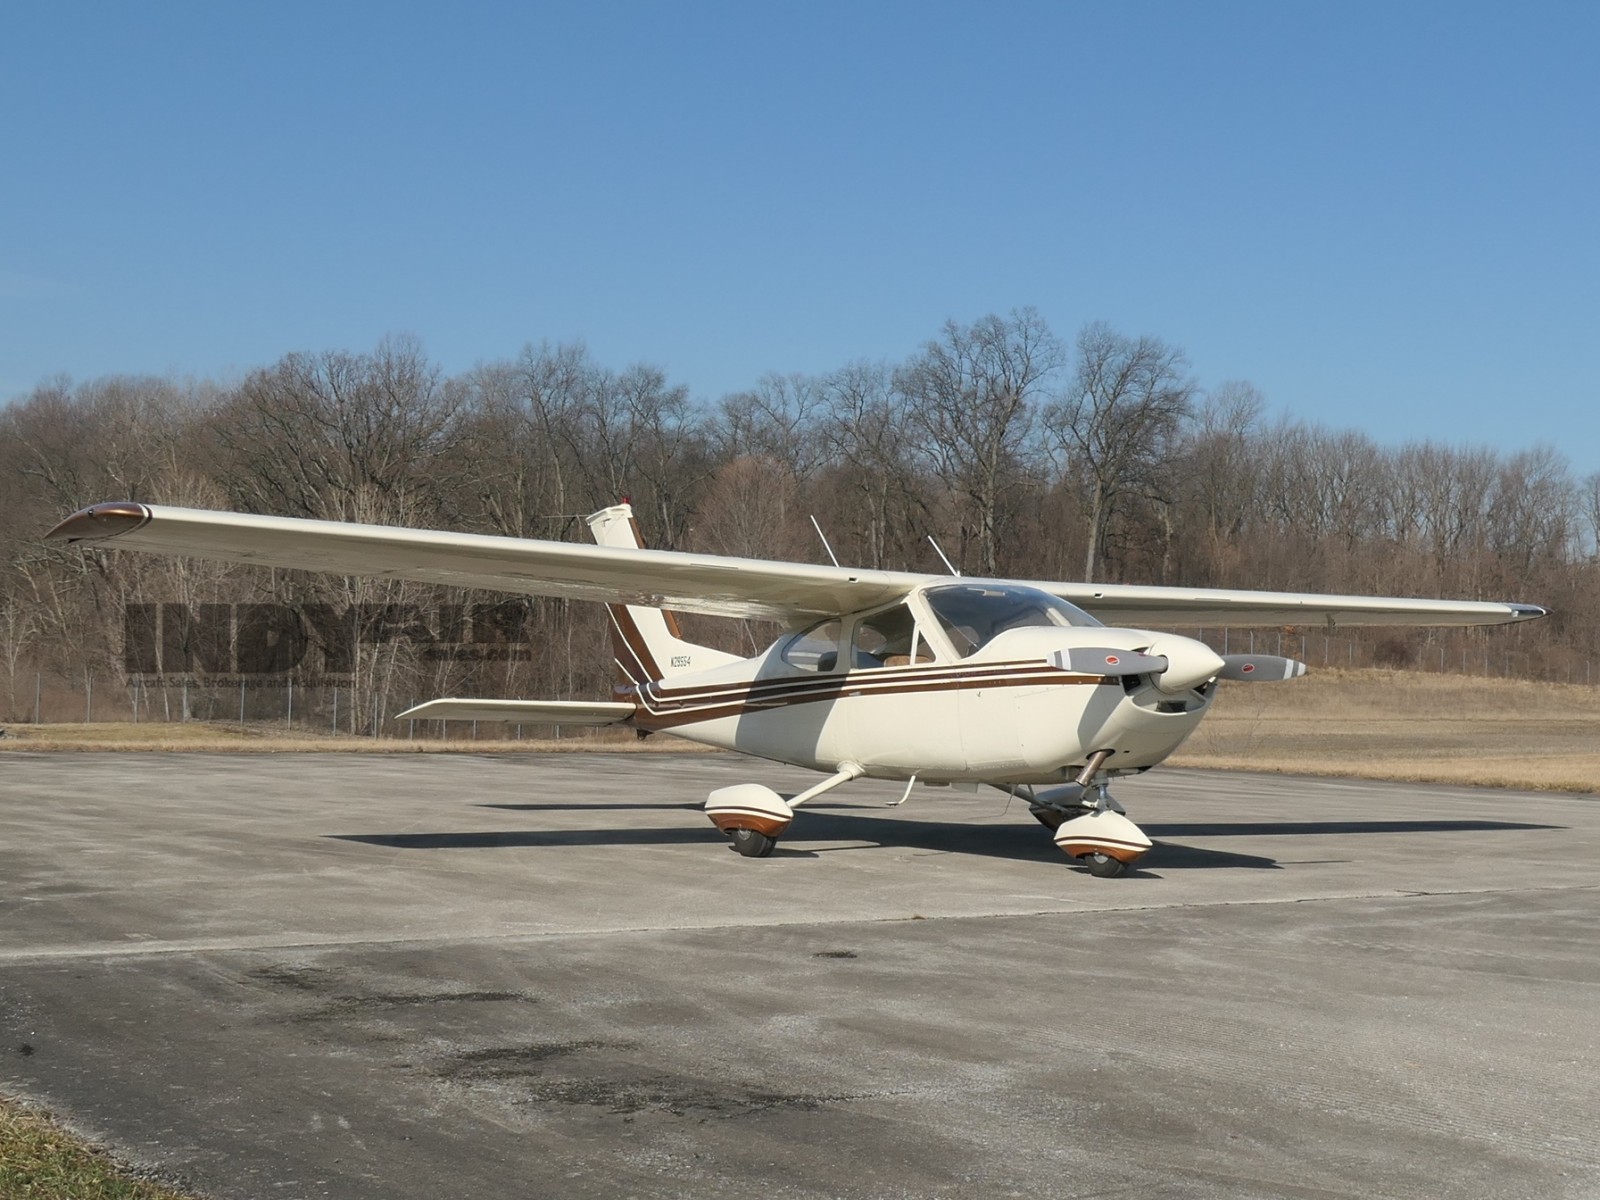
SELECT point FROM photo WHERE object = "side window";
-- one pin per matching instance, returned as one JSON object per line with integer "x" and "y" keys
{"x": 888, "y": 639}
{"x": 817, "y": 649}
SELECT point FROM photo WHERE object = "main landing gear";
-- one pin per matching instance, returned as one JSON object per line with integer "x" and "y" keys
{"x": 753, "y": 817}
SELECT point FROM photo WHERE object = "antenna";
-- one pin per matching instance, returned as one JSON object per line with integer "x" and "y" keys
{"x": 824, "y": 538}
{"x": 940, "y": 553}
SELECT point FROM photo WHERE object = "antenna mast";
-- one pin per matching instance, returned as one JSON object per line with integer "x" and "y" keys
{"x": 824, "y": 538}
{"x": 940, "y": 553}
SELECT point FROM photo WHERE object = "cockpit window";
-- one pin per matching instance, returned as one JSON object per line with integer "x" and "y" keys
{"x": 972, "y": 614}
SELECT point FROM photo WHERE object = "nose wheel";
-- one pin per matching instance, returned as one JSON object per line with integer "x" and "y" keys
{"x": 1103, "y": 865}
{"x": 751, "y": 843}
{"x": 1088, "y": 824}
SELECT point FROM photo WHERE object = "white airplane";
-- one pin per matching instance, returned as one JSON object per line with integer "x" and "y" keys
{"x": 882, "y": 674}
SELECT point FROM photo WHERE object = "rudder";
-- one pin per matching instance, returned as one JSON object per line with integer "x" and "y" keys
{"x": 646, "y": 642}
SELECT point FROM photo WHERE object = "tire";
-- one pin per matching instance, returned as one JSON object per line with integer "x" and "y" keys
{"x": 1104, "y": 866}
{"x": 750, "y": 843}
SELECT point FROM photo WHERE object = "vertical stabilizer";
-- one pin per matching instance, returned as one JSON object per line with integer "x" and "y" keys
{"x": 646, "y": 641}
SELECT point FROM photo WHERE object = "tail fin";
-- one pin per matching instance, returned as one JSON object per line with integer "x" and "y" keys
{"x": 647, "y": 641}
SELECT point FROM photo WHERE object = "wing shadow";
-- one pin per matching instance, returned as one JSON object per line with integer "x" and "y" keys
{"x": 1159, "y": 829}
{"x": 694, "y": 806}
{"x": 1019, "y": 842}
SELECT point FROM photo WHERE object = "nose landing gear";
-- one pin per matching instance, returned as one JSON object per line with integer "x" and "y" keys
{"x": 1102, "y": 838}
{"x": 1103, "y": 865}
{"x": 1104, "y": 841}
{"x": 751, "y": 843}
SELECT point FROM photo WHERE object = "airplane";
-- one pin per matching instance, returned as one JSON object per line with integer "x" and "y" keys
{"x": 1046, "y": 691}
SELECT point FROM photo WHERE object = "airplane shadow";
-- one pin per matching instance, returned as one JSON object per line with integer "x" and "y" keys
{"x": 695, "y": 806}
{"x": 1020, "y": 842}
{"x": 1159, "y": 829}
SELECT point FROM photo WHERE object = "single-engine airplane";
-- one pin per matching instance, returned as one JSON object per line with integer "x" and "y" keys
{"x": 882, "y": 674}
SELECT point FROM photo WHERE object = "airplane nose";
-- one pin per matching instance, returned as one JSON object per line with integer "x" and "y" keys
{"x": 1189, "y": 663}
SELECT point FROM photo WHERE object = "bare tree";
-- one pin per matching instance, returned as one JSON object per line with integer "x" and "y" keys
{"x": 19, "y": 627}
{"x": 1219, "y": 478}
{"x": 957, "y": 437}
{"x": 312, "y": 431}
{"x": 1589, "y": 503}
{"x": 782, "y": 417}
{"x": 969, "y": 407}
{"x": 752, "y": 510}
{"x": 1119, "y": 422}
{"x": 1531, "y": 518}
{"x": 865, "y": 433}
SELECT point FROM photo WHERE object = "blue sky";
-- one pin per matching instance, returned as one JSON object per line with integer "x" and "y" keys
{"x": 1385, "y": 216}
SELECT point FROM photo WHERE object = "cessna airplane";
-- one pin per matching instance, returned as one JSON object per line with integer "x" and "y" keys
{"x": 882, "y": 674}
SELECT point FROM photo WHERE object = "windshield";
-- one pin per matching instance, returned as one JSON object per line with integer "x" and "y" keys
{"x": 972, "y": 614}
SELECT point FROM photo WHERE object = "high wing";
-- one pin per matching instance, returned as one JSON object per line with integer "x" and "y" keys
{"x": 1139, "y": 607}
{"x": 698, "y": 583}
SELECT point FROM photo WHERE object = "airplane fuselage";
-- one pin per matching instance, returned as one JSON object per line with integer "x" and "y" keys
{"x": 1007, "y": 714}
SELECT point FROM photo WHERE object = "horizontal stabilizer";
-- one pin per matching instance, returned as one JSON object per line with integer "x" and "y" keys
{"x": 525, "y": 712}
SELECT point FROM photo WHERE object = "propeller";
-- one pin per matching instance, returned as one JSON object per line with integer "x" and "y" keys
{"x": 1180, "y": 664}
{"x": 1101, "y": 660}
{"x": 1261, "y": 668}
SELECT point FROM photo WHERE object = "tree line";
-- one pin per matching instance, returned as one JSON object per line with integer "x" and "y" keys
{"x": 1021, "y": 453}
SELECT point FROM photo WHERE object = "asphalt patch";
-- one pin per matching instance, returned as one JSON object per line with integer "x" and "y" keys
{"x": 602, "y": 1074}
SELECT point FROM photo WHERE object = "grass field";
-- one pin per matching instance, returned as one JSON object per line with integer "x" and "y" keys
{"x": 1366, "y": 724}
{"x": 232, "y": 738}
{"x": 1407, "y": 726}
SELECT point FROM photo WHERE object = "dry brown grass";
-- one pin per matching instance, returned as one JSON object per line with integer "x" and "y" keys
{"x": 1409, "y": 726}
{"x": 233, "y": 738}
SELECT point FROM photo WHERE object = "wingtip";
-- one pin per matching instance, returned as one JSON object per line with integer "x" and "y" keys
{"x": 100, "y": 521}
{"x": 1528, "y": 612}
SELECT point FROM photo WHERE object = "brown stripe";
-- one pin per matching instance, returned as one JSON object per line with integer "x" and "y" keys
{"x": 1122, "y": 853}
{"x": 877, "y": 676}
{"x": 629, "y": 642}
{"x": 671, "y": 618}
{"x": 729, "y": 821}
{"x": 664, "y": 695}
{"x": 653, "y": 716}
